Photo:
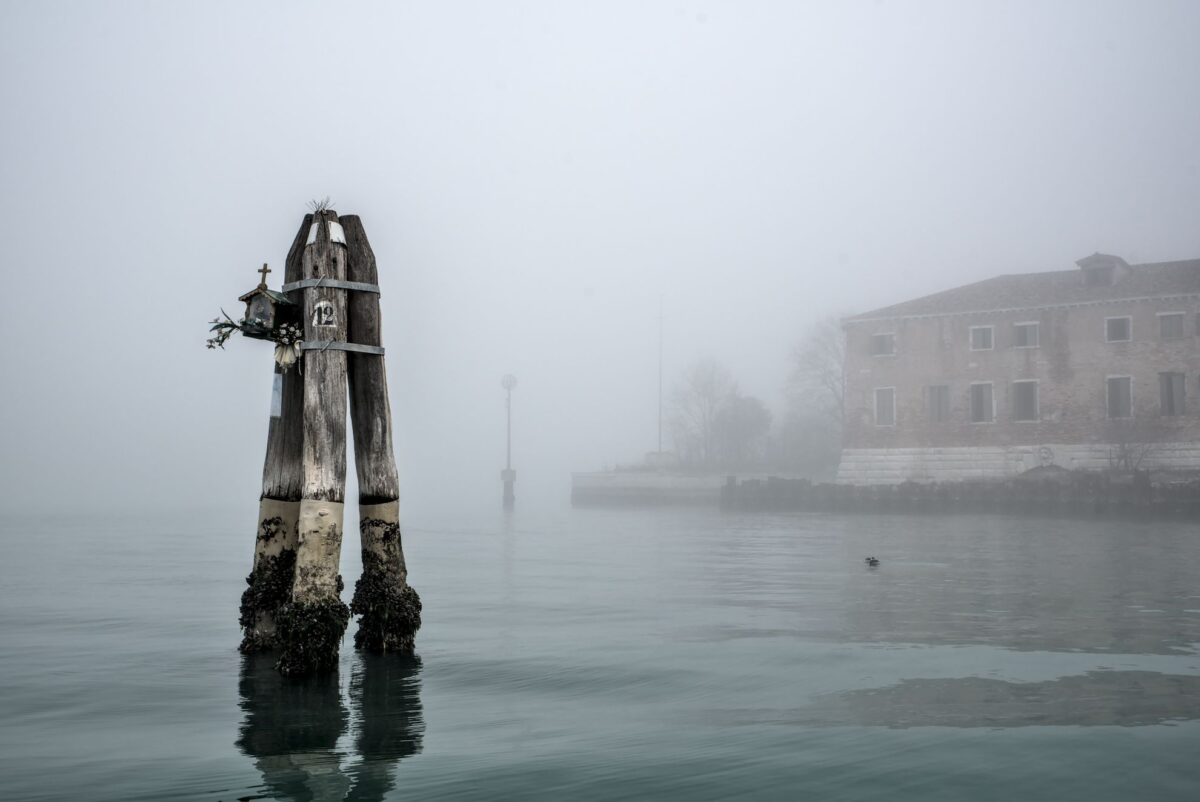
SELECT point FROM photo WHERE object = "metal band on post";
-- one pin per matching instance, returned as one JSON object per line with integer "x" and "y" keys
{"x": 332, "y": 345}
{"x": 332, "y": 283}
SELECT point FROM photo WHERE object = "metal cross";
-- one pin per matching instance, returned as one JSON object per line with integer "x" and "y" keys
{"x": 264, "y": 272}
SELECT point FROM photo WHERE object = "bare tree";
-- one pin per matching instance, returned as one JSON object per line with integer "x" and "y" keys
{"x": 818, "y": 380}
{"x": 809, "y": 437}
{"x": 705, "y": 387}
{"x": 740, "y": 431}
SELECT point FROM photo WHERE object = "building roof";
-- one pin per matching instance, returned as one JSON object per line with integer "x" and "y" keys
{"x": 1049, "y": 289}
{"x": 277, "y": 297}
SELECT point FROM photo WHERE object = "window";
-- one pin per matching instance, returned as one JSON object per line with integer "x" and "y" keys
{"x": 1117, "y": 329}
{"x": 1120, "y": 397}
{"x": 1098, "y": 276}
{"x": 937, "y": 401}
{"x": 982, "y": 409}
{"x": 1170, "y": 393}
{"x": 883, "y": 344}
{"x": 1025, "y": 335}
{"x": 885, "y": 406}
{"x": 1025, "y": 400}
{"x": 981, "y": 338}
{"x": 1170, "y": 325}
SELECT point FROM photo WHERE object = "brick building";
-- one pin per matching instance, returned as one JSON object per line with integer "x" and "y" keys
{"x": 1083, "y": 368}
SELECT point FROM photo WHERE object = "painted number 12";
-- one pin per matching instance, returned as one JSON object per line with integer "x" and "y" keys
{"x": 323, "y": 314}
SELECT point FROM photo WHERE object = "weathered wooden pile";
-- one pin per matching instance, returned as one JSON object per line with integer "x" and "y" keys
{"x": 293, "y": 603}
{"x": 1059, "y": 493}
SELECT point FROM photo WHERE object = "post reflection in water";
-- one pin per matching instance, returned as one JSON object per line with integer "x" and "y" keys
{"x": 385, "y": 690}
{"x": 292, "y": 728}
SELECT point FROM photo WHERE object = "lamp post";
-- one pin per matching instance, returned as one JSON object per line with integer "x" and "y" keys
{"x": 508, "y": 475}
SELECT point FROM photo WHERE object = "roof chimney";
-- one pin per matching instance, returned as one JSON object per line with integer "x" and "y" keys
{"x": 1103, "y": 270}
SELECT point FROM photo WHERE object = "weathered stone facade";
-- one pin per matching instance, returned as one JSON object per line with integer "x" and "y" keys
{"x": 1062, "y": 334}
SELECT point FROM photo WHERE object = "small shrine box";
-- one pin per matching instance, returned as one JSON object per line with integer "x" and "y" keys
{"x": 266, "y": 310}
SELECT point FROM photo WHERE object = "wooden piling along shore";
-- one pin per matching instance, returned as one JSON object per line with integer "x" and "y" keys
{"x": 293, "y": 602}
{"x": 1074, "y": 494}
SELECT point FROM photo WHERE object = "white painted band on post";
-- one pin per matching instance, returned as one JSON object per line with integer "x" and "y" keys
{"x": 288, "y": 513}
{"x": 387, "y": 511}
{"x": 276, "y": 532}
{"x": 374, "y": 522}
{"x": 318, "y": 550}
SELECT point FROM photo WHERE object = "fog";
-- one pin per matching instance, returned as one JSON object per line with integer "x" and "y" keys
{"x": 534, "y": 178}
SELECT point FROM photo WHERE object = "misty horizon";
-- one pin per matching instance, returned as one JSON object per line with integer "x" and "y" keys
{"x": 534, "y": 178}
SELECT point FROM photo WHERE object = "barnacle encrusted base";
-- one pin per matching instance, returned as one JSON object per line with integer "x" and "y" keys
{"x": 390, "y": 609}
{"x": 309, "y": 635}
{"x": 270, "y": 586}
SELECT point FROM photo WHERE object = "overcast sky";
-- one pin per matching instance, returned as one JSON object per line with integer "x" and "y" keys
{"x": 533, "y": 177}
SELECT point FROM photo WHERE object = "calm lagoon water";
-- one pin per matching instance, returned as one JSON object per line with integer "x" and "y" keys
{"x": 605, "y": 654}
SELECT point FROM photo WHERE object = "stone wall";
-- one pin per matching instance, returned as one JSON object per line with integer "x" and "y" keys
{"x": 1043, "y": 491}
{"x": 873, "y": 466}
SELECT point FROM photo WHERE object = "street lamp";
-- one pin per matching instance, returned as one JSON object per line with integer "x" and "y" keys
{"x": 508, "y": 475}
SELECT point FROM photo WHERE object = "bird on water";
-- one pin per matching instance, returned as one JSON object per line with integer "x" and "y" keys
{"x": 871, "y": 561}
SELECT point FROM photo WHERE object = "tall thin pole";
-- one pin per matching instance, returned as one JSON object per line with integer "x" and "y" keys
{"x": 508, "y": 475}
{"x": 660, "y": 370}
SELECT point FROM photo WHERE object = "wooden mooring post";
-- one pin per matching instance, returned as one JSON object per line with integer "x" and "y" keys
{"x": 389, "y": 610}
{"x": 293, "y": 602}
{"x": 270, "y": 580}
